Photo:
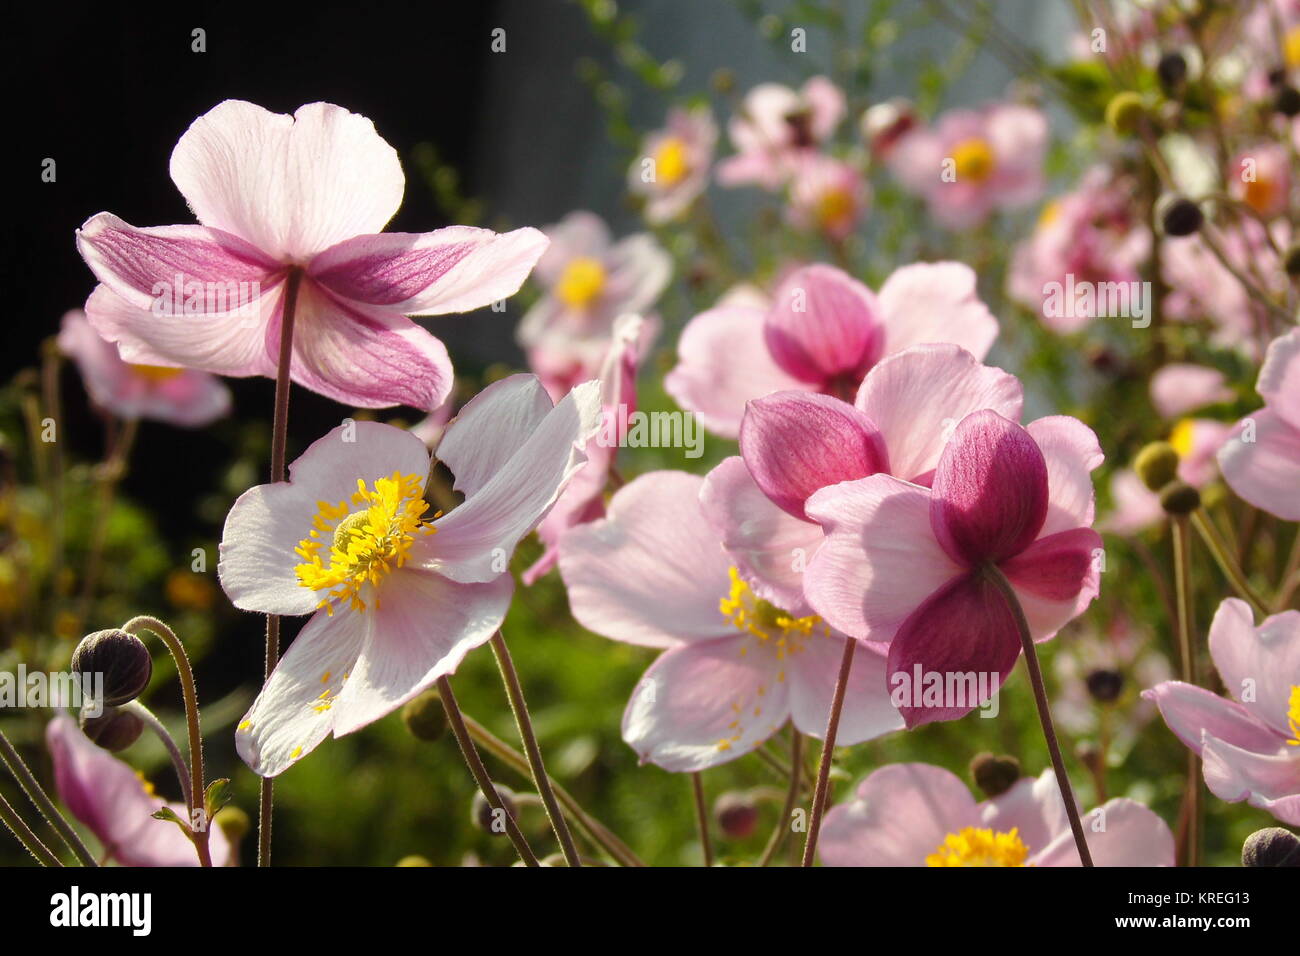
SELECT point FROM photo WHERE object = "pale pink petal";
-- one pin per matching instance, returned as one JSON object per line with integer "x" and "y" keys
{"x": 1270, "y": 781}
{"x": 900, "y": 815}
{"x": 490, "y": 428}
{"x": 1121, "y": 832}
{"x": 1279, "y": 378}
{"x": 1191, "y": 711}
{"x": 916, "y": 398}
{"x": 295, "y": 710}
{"x": 1180, "y": 388}
{"x": 723, "y": 362}
{"x": 456, "y": 269}
{"x": 652, "y": 571}
{"x": 1032, "y": 807}
{"x": 475, "y": 539}
{"x": 153, "y": 268}
{"x": 935, "y": 302}
{"x": 1135, "y": 506}
{"x": 813, "y": 673}
{"x": 771, "y": 549}
{"x": 291, "y": 185}
{"x": 1071, "y": 451}
{"x": 363, "y": 355}
{"x": 880, "y": 559}
{"x": 826, "y": 102}
{"x": 1265, "y": 471}
{"x": 705, "y": 703}
{"x": 1258, "y": 666}
{"x": 423, "y": 626}
{"x": 796, "y": 443}
{"x": 823, "y": 325}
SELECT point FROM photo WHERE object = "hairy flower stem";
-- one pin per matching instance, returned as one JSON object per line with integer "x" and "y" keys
{"x": 41, "y": 800}
{"x": 279, "y": 440}
{"x": 702, "y": 817}
{"x": 792, "y": 795}
{"x": 1223, "y": 557}
{"x": 998, "y": 579}
{"x": 199, "y": 822}
{"x": 1187, "y": 644}
{"x": 150, "y": 720}
{"x": 592, "y": 829}
{"x": 828, "y": 749}
{"x": 540, "y": 778}
{"x": 23, "y": 833}
{"x": 479, "y": 772}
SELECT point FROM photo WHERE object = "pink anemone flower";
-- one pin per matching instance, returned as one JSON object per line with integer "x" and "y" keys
{"x": 177, "y": 396}
{"x": 1261, "y": 459}
{"x": 734, "y": 666}
{"x": 1249, "y": 745}
{"x": 915, "y": 814}
{"x": 117, "y": 805}
{"x": 1180, "y": 387}
{"x": 906, "y": 565}
{"x": 822, "y": 333}
{"x": 827, "y": 196}
{"x": 398, "y": 598}
{"x": 972, "y": 162}
{"x": 308, "y": 192}
{"x": 776, "y": 127}
{"x": 681, "y": 153}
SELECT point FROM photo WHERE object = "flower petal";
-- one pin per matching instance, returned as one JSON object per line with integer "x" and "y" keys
{"x": 1055, "y": 578}
{"x": 823, "y": 325}
{"x": 813, "y": 673}
{"x": 899, "y": 816}
{"x": 1270, "y": 781}
{"x": 1032, "y": 807}
{"x": 935, "y": 302}
{"x": 1121, "y": 832}
{"x": 291, "y": 185}
{"x": 490, "y": 428}
{"x": 879, "y": 560}
{"x": 1071, "y": 452}
{"x": 1258, "y": 666}
{"x": 295, "y": 710}
{"x": 1190, "y": 711}
{"x": 1265, "y": 471}
{"x": 705, "y": 703}
{"x": 916, "y": 398}
{"x": 651, "y": 572}
{"x": 423, "y": 627}
{"x": 1279, "y": 378}
{"x": 796, "y": 443}
{"x": 456, "y": 269}
{"x": 722, "y": 363}
{"x": 990, "y": 490}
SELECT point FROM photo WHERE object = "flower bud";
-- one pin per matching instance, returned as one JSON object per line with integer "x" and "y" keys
{"x": 1124, "y": 112}
{"x": 995, "y": 775}
{"x": 1156, "y": 464}
{"x": 1181, "y": 217}
{"x": 736, "y": 814}
{"x": 1272, "y": 846}
{"x": 1287, "y": 101}
{"x": 1292, "y": 260}
{"x": 1179, "y": 498}
{"x": 1172, "y": 72}
{"x": 114, "y": 729}
{"x": 425, "y": 716}
{"x": 413, "y": 860}
{"x": 121, "y": 659}
{"x": 1105, "y": 684}
{"x": 486, "y": 818}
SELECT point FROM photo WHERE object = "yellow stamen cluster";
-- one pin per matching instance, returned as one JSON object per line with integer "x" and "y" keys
{"x": 976, "y": 847}
{"x": 835, "y": 209}
{"x": 155, "y": 373}
{"x": 671, "y": 161}
{"x": 367, "y": 543}
{"x": 1182, "y": 437}
{"x": 973, "y": 160}
{"x": 1291, "y": 47}
{"x": 1293, "y": 715}
{"x": 581, "y": 282}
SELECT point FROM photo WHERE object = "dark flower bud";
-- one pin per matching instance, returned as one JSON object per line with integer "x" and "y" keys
{"x": 121, "y": 659}
{"x": 1276, "y": 77}
{"x": 1292, "y": 260}
{"x": 425, "y": 716}
{"x": 1156, "y": 464}
{"x": 1179, "y": 498}
{"x": 994, "y": 775}
{"x": 1271, "y": 846}
{"x": 1105, "y": 684}
{"x": 486, "y": 818}
{"x": 1181, "y": 217}
{"x": 114, "y": 729}
{"x": 736, "y": 814}
{"x": 1172, "y": 72}
{"x": 1287, "y": 101}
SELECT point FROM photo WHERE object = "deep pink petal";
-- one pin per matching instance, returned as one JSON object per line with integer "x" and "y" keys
{"x": 990, "y": 490}
{"x": 1056, "y": 567}
{"x": 823, "y": 326}
{"x": 796, "y": 443}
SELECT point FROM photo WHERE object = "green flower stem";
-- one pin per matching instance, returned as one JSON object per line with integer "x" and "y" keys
{"x": 998, "y": 579}
{"x": 828, "y": 749}
{"x": 1187, "y": 643}
{"x": 1227, "y": 563}
{"x": 540, "y": 778}
{"x": 194, "y": 801}
{"x": 31, "y": 786}
{"x": 480, "y": 773}
{"x": 702, "y": 817}
{"x": 30, "y": 841}
{"x": 151, "y": 721}
{"x": 792, "y": 795}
